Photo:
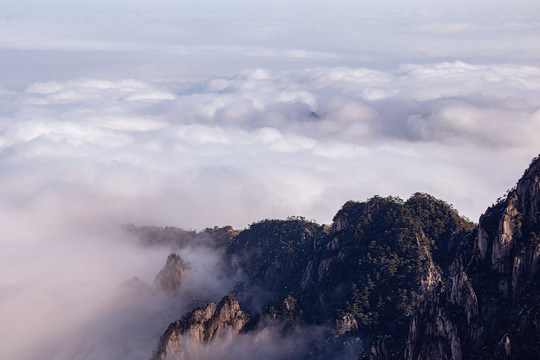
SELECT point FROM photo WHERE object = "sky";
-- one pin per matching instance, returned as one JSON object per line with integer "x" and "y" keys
{"x": 204, "y": 113}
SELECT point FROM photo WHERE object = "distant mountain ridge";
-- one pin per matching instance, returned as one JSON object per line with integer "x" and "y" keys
{"x": 390, "y": 279}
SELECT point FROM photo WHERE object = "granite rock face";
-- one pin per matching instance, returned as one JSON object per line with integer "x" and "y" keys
{"x": 200, "y": 326}
{"x": 487, "y": 307}
{"x": 171, "y": 277}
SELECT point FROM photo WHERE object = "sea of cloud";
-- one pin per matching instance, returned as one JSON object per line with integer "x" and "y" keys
{"x": 231, "y": 150}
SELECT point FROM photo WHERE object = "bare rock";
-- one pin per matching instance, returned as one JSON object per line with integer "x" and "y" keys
{"x": 171, "y": 277}
{"x": 199, "y": 327}
{"x": 379, "y": 351}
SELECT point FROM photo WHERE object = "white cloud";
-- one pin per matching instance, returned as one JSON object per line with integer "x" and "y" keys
{"x": 319, "y": 124}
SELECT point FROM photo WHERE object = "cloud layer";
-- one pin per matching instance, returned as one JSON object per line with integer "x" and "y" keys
{"x": 80, "y": 157}
{"x": 264, "y": 144}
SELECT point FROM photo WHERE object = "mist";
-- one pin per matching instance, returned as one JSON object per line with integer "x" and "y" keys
{"x": 96, "y": 297}
{"x": 203, "y": 114}
{"x": 269, "y": 344}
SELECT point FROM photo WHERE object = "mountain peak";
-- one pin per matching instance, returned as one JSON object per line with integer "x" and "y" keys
{"x": 171, "y": 277}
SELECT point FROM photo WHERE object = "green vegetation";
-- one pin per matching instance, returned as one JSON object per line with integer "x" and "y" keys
{"x": 389, "y": 248}
{"x": 288, "y": 236}
{"x": 441, "y": 225}
{"x": 365, "y": 272}
{"x": 274, "y": 252}
{"x": 387, "y": 262}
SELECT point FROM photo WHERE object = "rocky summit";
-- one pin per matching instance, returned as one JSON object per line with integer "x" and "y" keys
{"x": 201, "y": 326}
{"x": 389, "y": 279}
{"x": 171, "y": 277}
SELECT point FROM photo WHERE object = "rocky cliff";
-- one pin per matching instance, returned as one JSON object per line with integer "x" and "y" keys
{"x": 487, "y": 306}
{"x": 171, "y": 277}
{"x": 199, "y": 327}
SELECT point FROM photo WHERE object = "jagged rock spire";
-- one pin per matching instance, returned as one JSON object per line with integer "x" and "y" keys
{"x": 200, "y": 326}
{"x": 171, "y": 277}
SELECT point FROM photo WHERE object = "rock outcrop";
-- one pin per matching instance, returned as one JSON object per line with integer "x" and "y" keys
{"x": 379, "y": 350}
{"x": 171, "y": 277}
{"x": 199, "y": 327}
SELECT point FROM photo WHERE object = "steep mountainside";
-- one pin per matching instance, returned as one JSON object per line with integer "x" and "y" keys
{"x": 488, "y": 306}
{"x": 272, "y": 254}
{"x": 372, "y": 264}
